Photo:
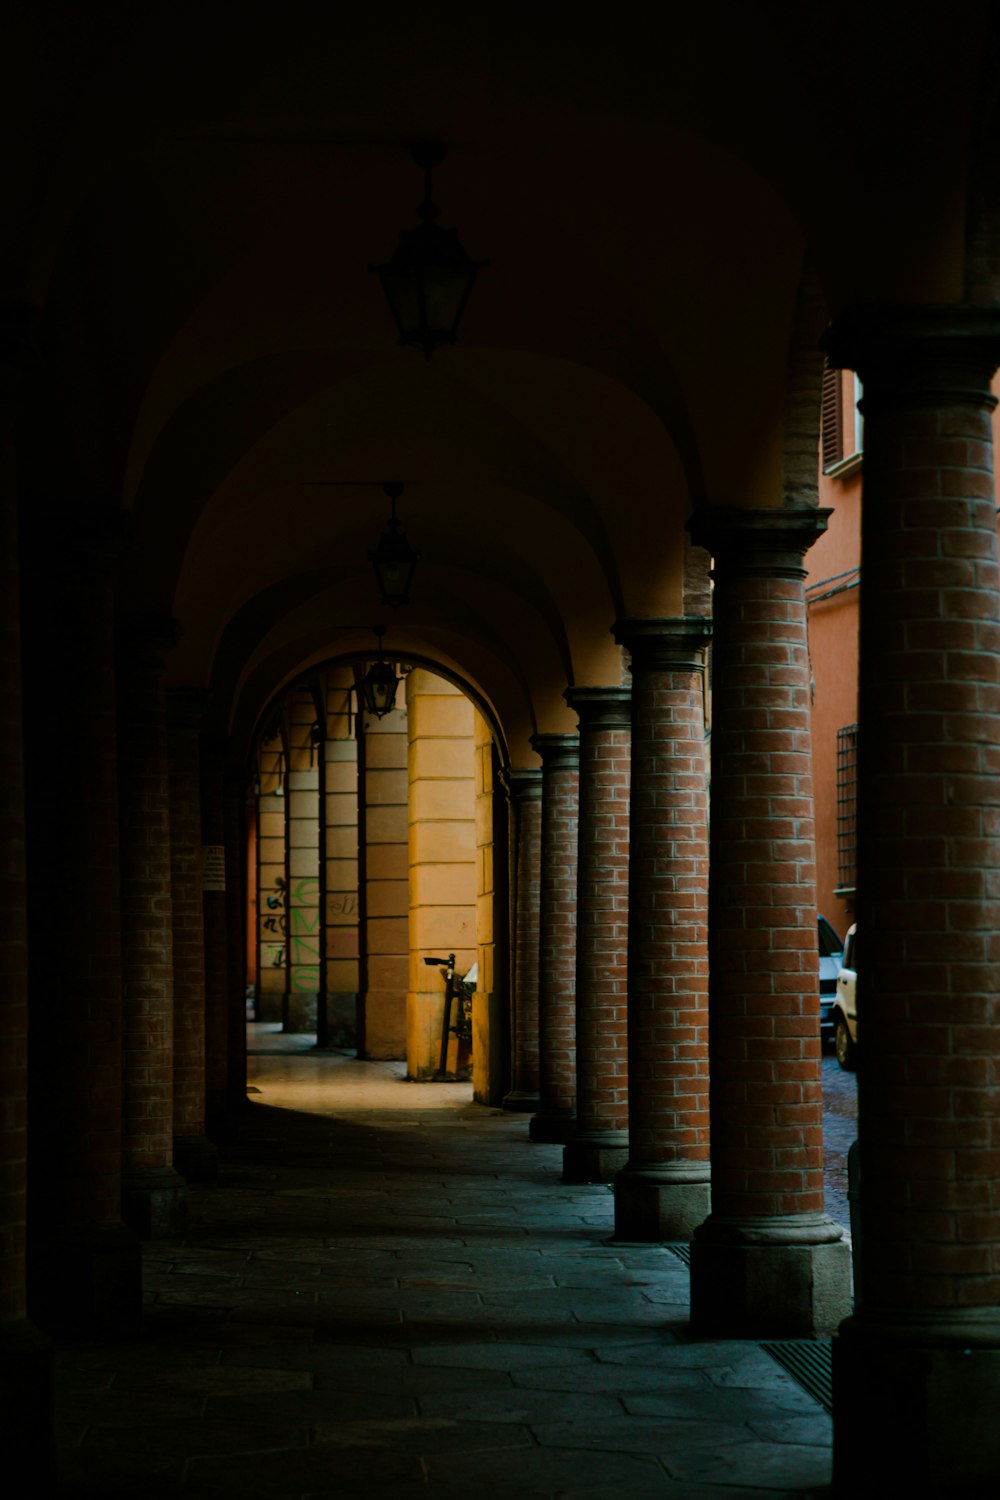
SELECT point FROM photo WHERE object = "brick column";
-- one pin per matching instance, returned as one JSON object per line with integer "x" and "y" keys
{"x": 25, "y": 1353}
{"x": 236, "y": 943}
{"x": 154, "y": 1200}
{"x": 526, "y": 823}
{"x": 216, "y": 935}
{"x": 768, "y": 1261}
{"x": 924, "y": 1342}
{"x": 555, "y": 1119}
{"x": 194, "y": 1154}
{"x": 598, "y": 1147}
{"x": 84, "y": 1266}
{"x": 663, "y": 1191}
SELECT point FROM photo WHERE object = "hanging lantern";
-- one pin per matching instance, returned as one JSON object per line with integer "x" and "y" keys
{"x": 394, "y": 560}
{"x": 379, "y": 684}
{"x": 428, "y": 280}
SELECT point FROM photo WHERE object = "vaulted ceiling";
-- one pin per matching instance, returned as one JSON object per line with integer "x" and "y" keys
{"x": 199, "y": 197}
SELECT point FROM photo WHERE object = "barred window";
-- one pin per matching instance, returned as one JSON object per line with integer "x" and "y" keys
{"x": 847, "y": 807}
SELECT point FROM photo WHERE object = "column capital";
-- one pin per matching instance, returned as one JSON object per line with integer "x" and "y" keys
{"x": 145, "y": 641}
{"x": 769, "y": 541}
{"x": 601, "y": 707}
{"x": 665, "y": 644}
{"x": 558, "y": 751}
{"x": 909, "y": 355}
{"x": 525, "y": 783}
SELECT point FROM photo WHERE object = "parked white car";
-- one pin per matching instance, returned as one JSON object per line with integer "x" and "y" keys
{"x": 845, "y": 1006}
{"x": 831, "y": 956}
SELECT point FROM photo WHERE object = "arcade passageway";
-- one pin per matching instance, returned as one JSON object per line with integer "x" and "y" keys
{"x": 391, "y": 1294}
{"x": 653, "y": 237}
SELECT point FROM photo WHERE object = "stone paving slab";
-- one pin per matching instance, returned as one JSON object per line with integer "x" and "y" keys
{"x": 388, "y": 1301}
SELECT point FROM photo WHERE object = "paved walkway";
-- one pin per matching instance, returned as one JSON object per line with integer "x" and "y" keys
{"x": 391, "y": 1296}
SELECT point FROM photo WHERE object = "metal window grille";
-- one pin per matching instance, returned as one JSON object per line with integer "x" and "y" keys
{"x": 847, "y": 806}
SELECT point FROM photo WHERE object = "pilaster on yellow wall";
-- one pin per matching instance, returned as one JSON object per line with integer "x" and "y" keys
{"x": 442, "y": 861}
{"x": 385, "y": 936}
{"x": 271, "y": 865}
{"x": 340, "y": 823}
{"x": 302, "y": 912}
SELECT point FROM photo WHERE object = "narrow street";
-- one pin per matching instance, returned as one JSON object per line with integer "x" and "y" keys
{"x": 840, "y": 1116}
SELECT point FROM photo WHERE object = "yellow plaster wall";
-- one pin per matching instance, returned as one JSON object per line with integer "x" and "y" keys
{"x": 442, "y": 860}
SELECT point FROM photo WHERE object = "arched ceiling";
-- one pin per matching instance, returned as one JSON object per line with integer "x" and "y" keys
{"x": 199, "y": 198}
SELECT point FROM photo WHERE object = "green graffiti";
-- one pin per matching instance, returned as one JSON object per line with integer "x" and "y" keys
{"x": 305, "y": 919}
{"x": 305, "y": 978}
{"x": 304, "y": 951}
{"x": 305, "y": 890}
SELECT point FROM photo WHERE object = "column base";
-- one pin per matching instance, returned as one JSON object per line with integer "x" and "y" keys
{"x": 914, "y": 1409}
{"x": 655, "y": 1205}
{"x": 520, "y": 1102}
{"x": 196, "y": 1158}
{"x": 551, "y": 1128}
{"x": 300, "y": 1013}
{"x": 596, "y": 1157}
{"x": 86, "y": 1282}
{"x": 769, "y": 1278}
{"x": 154, "y": 1203}
{"x": 26, "y": 1400}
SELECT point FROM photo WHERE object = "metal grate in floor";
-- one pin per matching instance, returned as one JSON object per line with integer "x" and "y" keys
{"x": 810, "y": 1362}
{"x": 682, "y": 1252}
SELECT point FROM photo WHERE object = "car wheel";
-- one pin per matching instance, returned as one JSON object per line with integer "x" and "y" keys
{"x": 846, "y": 1050}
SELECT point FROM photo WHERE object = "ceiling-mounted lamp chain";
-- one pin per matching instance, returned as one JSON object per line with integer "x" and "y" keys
{"x": 394, "y": 560}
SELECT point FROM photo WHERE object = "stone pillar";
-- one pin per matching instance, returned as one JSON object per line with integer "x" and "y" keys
{"x": 917, "y": 1368}
{"x": 25, "y": 1353}
{"x": 598, "y": 1147}
{"x": 768, "y": 1261}
{"x": 153, "y": 1192}
{"x": 526, "y": 804}
{"x": 194, "y": 1154}
{"x": 84, "y": 1268}
{"x": 663, "y": 1191}
{"x": 216, "y": 929}
{"x": 555, "y": 1119}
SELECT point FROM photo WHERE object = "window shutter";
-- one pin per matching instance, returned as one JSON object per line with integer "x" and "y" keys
{"x": 832, "y": 414}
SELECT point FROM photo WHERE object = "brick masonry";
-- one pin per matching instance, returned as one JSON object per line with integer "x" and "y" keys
{"x": 601, "y": 1132}
{"x": 766, "y": 1113}
{"x": 184, "y": 716}
{"x": 213, "y": 833}
{"x": 147, "y": 941}
{"x": 768, "y": 1260}
{"x": 926, "y": 1325}
{"x": 668, "y": 922}
{"x": 557, "y": 936}
{"x": 929, "y": 824}
{"x": 13, "y": 944}
{"x": 526, "y": 827}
